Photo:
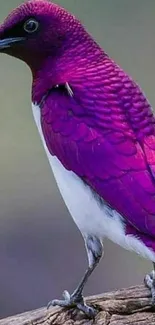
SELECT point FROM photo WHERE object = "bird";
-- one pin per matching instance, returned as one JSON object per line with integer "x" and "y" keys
{"x": 98, "y": 131}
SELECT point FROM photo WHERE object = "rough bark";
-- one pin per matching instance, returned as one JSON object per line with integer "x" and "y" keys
{"x": 130, "y": 306}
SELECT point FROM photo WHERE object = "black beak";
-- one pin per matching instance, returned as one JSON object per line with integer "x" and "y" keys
{"x": 8, "y": 42}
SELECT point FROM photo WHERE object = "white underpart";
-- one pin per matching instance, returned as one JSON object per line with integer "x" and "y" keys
{"x": 91, "y": 217}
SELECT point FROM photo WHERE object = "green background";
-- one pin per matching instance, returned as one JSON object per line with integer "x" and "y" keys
{"x": 41, "y": 250}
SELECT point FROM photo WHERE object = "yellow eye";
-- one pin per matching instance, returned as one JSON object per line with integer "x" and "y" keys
{"x": 31, "y": 25}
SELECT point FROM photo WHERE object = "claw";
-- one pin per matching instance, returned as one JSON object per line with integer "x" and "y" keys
{"x": 72, "y": 301}
{"x": 52, "y": 303}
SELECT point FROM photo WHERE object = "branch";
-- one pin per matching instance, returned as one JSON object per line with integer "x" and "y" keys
{"x": 130, "y": 306}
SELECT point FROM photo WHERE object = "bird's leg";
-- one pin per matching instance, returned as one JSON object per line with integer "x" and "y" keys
{"x": 149, "y": 281}
{"x": 94, "y": 250}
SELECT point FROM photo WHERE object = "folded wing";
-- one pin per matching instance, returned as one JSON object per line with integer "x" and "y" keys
{"x": 106, "y": 136}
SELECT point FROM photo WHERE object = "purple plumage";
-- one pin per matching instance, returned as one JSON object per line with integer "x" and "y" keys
{"x": 105, "y": 134}
{"x": 98, "y": 130}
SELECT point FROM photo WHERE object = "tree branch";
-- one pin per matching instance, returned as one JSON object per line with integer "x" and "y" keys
{"x": 130, "y": 306}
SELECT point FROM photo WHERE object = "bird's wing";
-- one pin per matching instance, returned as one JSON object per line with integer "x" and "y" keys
{"x": 108, "y": 139}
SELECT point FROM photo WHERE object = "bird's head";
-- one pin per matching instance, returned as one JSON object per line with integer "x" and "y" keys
{"x": 50, "y": 40}
{"x": 38, "y": 29}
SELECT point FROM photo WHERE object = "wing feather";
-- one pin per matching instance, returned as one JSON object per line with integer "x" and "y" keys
{"x": 106, "y": 135}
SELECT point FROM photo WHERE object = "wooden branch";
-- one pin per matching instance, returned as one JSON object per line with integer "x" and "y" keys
{"x": 130, "y": 306}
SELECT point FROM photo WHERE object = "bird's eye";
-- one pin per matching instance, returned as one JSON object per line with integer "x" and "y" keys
{"x": 31, "y": 26}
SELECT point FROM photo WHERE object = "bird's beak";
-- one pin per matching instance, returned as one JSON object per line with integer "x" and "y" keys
{"x": 8, "y": 42}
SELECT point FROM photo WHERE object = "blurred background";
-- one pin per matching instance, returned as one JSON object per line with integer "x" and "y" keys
{"x": 41, "y": 250}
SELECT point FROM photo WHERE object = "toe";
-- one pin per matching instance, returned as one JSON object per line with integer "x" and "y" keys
{"x": 56, "y": 302}
{"x": 153, "y": 298}
{"x": 148, "y": 281}
{"x": 66, "y": 295}
{"x": 89, "y": 311}
{"x": 152, "y": 275}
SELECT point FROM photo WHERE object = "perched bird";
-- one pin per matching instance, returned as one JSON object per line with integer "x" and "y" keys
{"x": 98, "y": 131}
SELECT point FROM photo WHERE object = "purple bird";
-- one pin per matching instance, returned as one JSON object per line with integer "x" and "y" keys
{"x": 98, "y": 131}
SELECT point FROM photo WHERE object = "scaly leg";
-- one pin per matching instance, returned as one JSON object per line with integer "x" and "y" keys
{"x": 94, "y": 250}
{"x": 149, "y": 281}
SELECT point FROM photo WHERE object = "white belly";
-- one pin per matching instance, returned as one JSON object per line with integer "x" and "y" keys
{"x": 89, "y": 214}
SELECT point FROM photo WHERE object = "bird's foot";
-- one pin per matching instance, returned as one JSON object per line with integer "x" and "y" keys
{"x": 74, "y": 300}
{"x": 149, "y": 281}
